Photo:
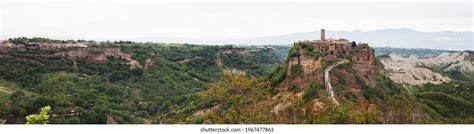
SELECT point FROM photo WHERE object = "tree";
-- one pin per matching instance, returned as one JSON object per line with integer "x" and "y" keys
{"x": 353, "y": 44}
{"x": 237, "y": 95}
{"x": 41, "y": 118}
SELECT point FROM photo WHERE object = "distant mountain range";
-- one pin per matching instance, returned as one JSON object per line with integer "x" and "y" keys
{"x": 397, "y": 38}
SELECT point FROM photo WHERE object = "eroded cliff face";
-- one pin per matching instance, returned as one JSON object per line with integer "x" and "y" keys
{"x": 300, "y": 70}
{"x": 100, "y": 54}
{"x": 95, "y": 53}
{"x": 74, "y": 51}
{"x": 417, "y": 71}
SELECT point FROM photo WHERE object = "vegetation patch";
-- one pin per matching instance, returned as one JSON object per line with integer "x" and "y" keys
{"x": 294, "y": 53}
{"x": 295, "y": 89}
{"x": 310, "y": 91}
{"x": 278, "y": 76}
{"x": 447, "y": 105}
{"x": 296, "y": 69}
{"x": 4, "y": 97}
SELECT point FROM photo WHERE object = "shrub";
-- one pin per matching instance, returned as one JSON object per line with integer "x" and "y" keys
{"x": 293, "y": 53}
{"x": 278, "y": 75}
{"x": 312, "y": 54}
{"x": 310, "y": 91}
{"x": 295, "y": 89}
{"x": 296, "y": 69}
{"x": 41, "y": 118}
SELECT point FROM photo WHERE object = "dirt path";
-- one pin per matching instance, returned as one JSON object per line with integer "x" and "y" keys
{"x": 327, "y": 80}
{"x": 6, "y": 91}
{"x": 219, "y": 60}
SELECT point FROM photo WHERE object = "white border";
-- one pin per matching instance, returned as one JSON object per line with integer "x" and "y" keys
{"x": 470, "y": 1}
{"x": 279, "y": 129}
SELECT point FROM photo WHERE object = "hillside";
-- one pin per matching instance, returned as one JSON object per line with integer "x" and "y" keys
{"x": 89, "y": 82}
{"x": 443, "y": 82}
{"x": 322, "y": 81}
{"x": 434, "y": 69}
{"x": 328, "y": 81}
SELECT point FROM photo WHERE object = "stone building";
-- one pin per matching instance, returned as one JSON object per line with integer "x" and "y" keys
{"x": 341, "y": 48}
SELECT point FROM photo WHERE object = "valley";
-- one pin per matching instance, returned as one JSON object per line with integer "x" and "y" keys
{"x": 125, "y": 81}
{"x": 326, "y": 81}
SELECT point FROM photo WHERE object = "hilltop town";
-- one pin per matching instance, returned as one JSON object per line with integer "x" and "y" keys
{"x": 313, "y": 56}
{"x": 360, "y": 54}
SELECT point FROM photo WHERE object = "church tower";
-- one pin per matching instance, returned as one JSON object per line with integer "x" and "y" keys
{"x": 323, "y": 35}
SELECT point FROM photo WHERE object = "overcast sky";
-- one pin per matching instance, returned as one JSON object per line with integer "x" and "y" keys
{"x": 108, "y": 20}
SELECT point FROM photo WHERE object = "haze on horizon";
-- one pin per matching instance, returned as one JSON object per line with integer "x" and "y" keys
{"x": 221, "y": 21}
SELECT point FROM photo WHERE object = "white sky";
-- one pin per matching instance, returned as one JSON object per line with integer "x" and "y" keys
{"x": 205, "y": 20}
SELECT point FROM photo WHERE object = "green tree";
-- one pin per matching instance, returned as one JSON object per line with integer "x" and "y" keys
{"x": 41, "y": 118}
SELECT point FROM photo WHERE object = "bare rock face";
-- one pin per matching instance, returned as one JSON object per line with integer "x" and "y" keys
{"x": 135, "y": 64}
{"x": 148, "y": 63}
{"x": 111, "y": 120}
{"x": 414, "y": 71}
{"x": 97, "y": 58}
{"x": 100, "y": 55}
{"x": 363, "y": 55}
{"x": 95, "y": 53}
{"x": 309, "y": 69}
{"x": 310, "y": 65}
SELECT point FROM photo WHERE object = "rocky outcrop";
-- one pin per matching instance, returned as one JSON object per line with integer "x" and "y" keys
{"x": 309, "y": 65}
{"x": 111, "y": 120}
{"x": 363, "y": 54}
{"x": 95, "y": 53}
{"x": 100, "y": 54}
{"x": 135, "y": 64}
{"x": 148, "y": 63}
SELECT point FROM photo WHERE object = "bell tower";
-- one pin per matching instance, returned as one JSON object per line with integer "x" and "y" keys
{"x": 323, "y": 35}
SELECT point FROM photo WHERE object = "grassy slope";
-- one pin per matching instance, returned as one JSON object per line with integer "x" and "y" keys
{"x": 10, "y": 86}
{"x": 4, "y": 97}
